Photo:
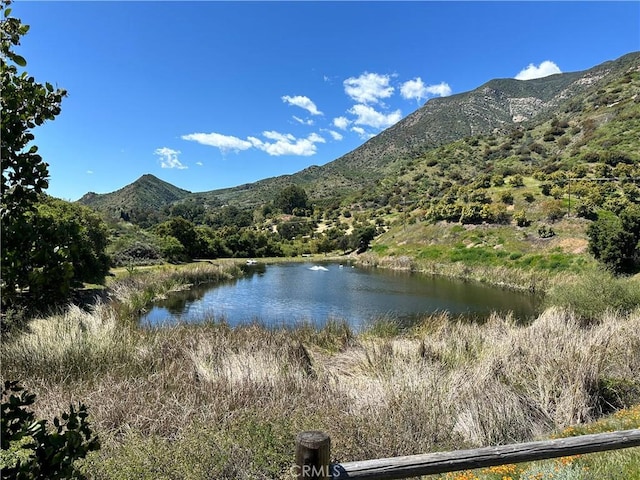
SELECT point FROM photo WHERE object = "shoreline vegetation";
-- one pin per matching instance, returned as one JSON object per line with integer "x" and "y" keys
{"x": 508, "y": 278}
{"x": 211, "y": 401}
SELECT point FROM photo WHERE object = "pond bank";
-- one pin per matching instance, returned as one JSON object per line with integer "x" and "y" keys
{"x": 533, "y": 281}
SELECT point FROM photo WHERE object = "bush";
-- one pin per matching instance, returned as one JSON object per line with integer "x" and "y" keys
{"x": 137, "y": 253}
{"x": 30, "y": 450}
{"x": 521, "y": 219}
{"x": 596, "y": 292}
{"x": 65, "y": 246}
{"x": 517, "y": 181}
{"x": 506, "y": 197}
{"x": 615, "y": 240}
{"x": 553, "y": 210}
{"x": 546, "y": 232}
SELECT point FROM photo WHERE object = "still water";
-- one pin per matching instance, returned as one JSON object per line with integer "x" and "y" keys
{"x": 286, "y": 294}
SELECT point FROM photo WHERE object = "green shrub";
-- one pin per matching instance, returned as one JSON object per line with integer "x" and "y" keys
{"x": 32, "y": 451}
{"x": 595, "y": 293}
{"x": 136, "y": 253}
{"x": 521, "y": 219}
{"x": 615, "y": 240}
{"x": 546, "y": 232}
{"x": 506, "y": 197}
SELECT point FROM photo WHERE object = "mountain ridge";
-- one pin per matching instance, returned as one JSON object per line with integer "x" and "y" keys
{"x": 496, "y": 106}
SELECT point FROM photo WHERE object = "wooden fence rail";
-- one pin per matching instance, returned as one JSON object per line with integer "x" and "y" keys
{"x": 313, "y": 453}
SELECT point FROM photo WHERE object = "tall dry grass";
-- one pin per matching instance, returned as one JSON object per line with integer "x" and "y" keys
{"x": 135, "y": 291}
{"x": 237, "y": 397}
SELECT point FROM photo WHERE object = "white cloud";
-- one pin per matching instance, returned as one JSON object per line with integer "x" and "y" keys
{"x": 336, "y": 135}
{"x": 545, "y": 69}
{"x": 224, "y": 142}
{"x": 368, "y": 116}
{"x": 362, "y": 133}
{"x": 287, "y": 144}
{"x": 278, "y": 137}
{"x": 341, "y": 122}
{"x": 303, "y": 121}
{"x": 368, "y": 87}
{"x": 442, "y": 89}
{"x": 277, "y": 143}
{"x": 314, "y": 137}
{"x": 89, "y": 172}
{"x": 302, "y": 102}
{"x": 169, "y": 158}
{"x": 413, "y": 89}
{"x": 416, "y": 89}
{"x": 200, "y": 164}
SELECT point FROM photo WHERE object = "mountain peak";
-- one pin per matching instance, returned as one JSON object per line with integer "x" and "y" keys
{"x": 146, "y": 193}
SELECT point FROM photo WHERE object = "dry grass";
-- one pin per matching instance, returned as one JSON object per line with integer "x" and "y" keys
{"x": 238, "y": 396}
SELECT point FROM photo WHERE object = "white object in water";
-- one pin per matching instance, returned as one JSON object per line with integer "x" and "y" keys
{"x": 318, "y": 267}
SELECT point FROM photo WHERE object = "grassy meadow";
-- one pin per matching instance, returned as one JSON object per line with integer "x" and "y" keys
{"x": 210, "y": 401}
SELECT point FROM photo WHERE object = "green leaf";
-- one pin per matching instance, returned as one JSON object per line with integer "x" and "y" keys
{"x": 7, "y": 12}
{"x": 19, "y": 60}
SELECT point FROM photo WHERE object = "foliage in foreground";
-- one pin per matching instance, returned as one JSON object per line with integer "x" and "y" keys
{"x": 31, "y": 450}
{"x": 48, "y": 245}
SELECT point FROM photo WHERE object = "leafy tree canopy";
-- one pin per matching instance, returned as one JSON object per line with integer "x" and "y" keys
{"x": 47, "y": 245}
{"x": 31, "y": 449}
{"x": 25, "y": 105}
{"x": 615, "y": 239}
{"x": 291, "y": 198}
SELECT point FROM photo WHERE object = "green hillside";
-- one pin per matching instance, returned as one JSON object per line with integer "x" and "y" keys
{"x": 509, "y": 175}
{"x": 146, "y": 193}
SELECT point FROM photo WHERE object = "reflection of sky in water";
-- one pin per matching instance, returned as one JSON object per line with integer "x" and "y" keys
{"x": 291, "y": 293}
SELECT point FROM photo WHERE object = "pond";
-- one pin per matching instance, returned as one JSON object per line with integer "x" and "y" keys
{"x": 291, "y": 293}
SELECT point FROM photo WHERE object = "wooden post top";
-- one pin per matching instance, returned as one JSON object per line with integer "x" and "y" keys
{"x": 313, "y": 439}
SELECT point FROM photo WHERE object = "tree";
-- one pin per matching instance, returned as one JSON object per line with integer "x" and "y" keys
{"x": 362, "y": 237}
{"x": 615, "y": 240}
{"x": 63, "y": 246}
{"x": 292, "y": 198}
{"x": 25, "y": 104}
{"x": 185, "y": 232}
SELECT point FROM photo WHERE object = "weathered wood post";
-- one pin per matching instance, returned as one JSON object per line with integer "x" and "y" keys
{"x": 313, "y": 456}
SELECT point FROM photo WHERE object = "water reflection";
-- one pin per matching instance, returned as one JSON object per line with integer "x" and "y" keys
{"x": 290, "y": 293}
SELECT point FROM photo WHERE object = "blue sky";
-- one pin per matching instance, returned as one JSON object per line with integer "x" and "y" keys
{"x": 207, "y": 95}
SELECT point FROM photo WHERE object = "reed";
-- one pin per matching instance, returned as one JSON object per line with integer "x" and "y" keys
{"x": 133, "y": 292}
